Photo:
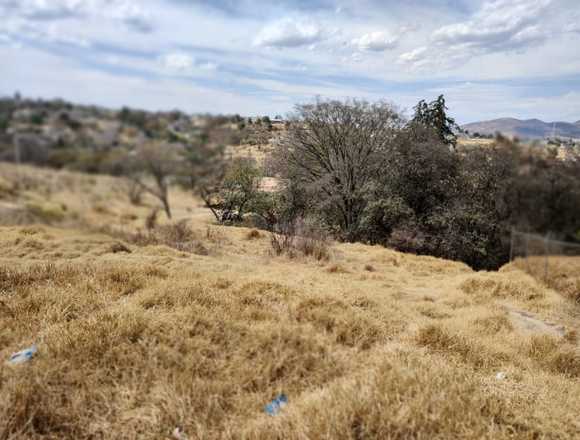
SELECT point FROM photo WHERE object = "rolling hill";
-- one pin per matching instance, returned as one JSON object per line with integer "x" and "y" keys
{"x": 191, "y": 328}
{"x": 525, "y": 129}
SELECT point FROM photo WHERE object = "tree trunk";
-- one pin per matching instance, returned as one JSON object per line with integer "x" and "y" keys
{"x": 166, "y": 207}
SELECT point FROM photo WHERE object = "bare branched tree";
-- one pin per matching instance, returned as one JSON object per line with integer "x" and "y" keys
{"x": 205, "y": 170}
{"x": 336, "y": 149}
{"x": 152, "y": 166}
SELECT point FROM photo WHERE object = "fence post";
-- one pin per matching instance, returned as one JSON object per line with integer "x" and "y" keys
{"x": 527, "y": 252}
{"x": 512, "y": 245}
{"x": 546, "y": 253}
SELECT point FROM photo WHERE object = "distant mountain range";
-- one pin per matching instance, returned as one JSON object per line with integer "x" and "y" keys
{"x": 527, "y": 129}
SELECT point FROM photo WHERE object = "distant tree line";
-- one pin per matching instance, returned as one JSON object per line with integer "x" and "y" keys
{"x": 58, "y": 134}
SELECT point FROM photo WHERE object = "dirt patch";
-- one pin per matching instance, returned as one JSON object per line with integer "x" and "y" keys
{"x": 528, "y": 323}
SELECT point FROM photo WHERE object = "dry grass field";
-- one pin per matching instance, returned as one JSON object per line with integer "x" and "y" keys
{"x": 199, "y": 326}
{"x": 560, "y": 272}
{"x": 245, "y": 151}
{"x": 475, "y": 142}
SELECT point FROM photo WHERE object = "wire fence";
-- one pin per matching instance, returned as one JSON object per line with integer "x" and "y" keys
{"x": 545, "y": 258}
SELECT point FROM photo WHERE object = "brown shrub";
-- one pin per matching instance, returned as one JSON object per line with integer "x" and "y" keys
{"x": 253, "y": 234}
{"x": 99, "y": 208}
{"x": 300, "y": 238}
{"x": 119, "y": 247}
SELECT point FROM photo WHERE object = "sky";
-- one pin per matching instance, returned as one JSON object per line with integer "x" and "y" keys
{"x": 490, "y": 58}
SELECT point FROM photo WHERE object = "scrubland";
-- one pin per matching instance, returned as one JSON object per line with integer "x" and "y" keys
{"x": 195, "y": 325}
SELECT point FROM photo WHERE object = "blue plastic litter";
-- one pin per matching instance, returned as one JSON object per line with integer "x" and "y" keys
{"x": 276, "y": 405}
{"x": 23, "y": 356}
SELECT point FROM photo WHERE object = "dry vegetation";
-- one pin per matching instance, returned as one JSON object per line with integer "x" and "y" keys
{"x": 561, "y": 273}
{"x": 138, "y": 334}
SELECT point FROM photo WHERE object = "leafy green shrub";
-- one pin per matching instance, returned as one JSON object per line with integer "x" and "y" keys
{"x": 239, "y": 193}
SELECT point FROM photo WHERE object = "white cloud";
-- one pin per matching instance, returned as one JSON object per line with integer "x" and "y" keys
{"x": 346, "y": 53}
{"x": 415, "y": 58}
{"x": 133, "y": 15}
{"x": 573, "y": 26}
{"x": 378, "y": 41}
{"x": 499, "y": 26}
{"x": 57, "y": 34}
{"x": 47, "y": 9}
{"x": 129, "y": 12}
{"x": 50, "y": 32}
{"x": 64, "y": 78}
{"x": 208, "y": 66}
{"x": 414, "y": 55}
{"x": 177, "y": 61}
{"x": 289, "y": 32}
{"x": 182, "y": 63}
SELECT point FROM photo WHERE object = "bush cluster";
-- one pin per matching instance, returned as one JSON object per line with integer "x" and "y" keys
{"x": 365, "y": 174}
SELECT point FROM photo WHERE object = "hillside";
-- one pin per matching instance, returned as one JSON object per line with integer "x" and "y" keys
{"x": 60, "y": 134}
{"x": 525, "y": 129}
{"x": 199, "y": 326}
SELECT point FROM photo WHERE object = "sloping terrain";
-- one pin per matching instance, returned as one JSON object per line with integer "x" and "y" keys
{"x": 525, "y": 129}
{"x": 137, "y": 337}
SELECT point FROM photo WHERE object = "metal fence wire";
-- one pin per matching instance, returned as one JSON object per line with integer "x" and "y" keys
{"x": 539, "y": 255}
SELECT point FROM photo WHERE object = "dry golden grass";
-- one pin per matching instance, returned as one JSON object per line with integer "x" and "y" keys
{"x": 475, "y": 142}
{"x": 138, "y": 337}
{"x": 561, "y": 273}
{"x": 246, "y": 151}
